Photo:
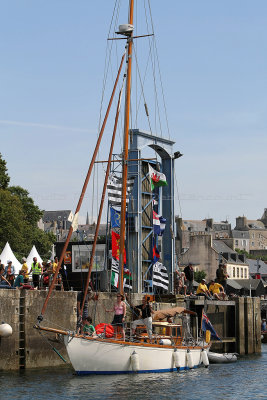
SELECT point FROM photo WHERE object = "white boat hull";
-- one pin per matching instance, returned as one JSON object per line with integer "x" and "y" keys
{"x": 96, "y": 356}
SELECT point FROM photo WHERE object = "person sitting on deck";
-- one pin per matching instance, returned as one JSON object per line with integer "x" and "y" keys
{"x": 145, "y": 311}
{"x": 120, "y": 312}
{"x": 87, "y": 327}
{"x": 217, "y": 290}
{"x": 202, "y": 290}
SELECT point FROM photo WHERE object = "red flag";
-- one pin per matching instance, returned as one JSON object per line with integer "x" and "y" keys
{"x": 115, "y": 239}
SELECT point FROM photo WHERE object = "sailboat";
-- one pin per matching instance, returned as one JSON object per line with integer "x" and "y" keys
{"x": 102, "y": 354}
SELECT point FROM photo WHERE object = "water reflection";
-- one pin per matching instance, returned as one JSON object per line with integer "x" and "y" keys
{"x": 244, "y": 379}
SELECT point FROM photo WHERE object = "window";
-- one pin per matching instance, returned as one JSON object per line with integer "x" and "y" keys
{"x": 252, "y": 244}
{"x": 233, "y": 272}
{"x": 241, "y": 269}
{"x": 244, "y": 243}
{"x": 237, "y": 272}
{"x": 81, "y": 257}
{"x": 253, "y": 236}
{"x": 236, "y": 242}
{"x": 246, "y": 273}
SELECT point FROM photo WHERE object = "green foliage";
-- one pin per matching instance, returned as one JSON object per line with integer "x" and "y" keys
{"x": 32, "y": 212}
{"x": 18, "y": 220}
{"x": 199, "y": 275}
{"x": 251, "y": 256}
{"x": 4, "y": 178}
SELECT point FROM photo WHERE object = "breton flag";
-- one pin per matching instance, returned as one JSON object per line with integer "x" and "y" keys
{"x": 207, "y": 326}
{"x": 156, "y": 178}
{"x": 160, "y": 276}
{"x": 115, "y": 272}
{"x": 156, "y": 223}
{"x": 115, "y": 189}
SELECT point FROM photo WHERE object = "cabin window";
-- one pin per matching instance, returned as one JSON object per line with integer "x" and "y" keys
{"x": 237, "y": 272}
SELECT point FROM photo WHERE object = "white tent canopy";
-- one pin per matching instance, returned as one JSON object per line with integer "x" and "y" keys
{"x": 8, "y": 255}
{"x": 33, "y": 253}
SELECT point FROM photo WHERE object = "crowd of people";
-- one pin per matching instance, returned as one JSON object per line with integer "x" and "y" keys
{"x": 41, "y": 275}
{"x": 183, "y": 283}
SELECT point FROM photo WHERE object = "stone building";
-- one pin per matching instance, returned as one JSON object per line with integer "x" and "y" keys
{"x": 205, "y": 253}
{"x": 57, "y": 222}
{"x": 256, "y": 229}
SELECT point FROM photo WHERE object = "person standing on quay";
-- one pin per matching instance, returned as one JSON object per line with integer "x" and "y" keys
{"x": 25, "y": 269}
{"x": 189, "y": 274}
{"x": 37, "y": 271}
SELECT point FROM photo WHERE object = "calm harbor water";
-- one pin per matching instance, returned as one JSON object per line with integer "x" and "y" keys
{"x": 245, "y": 379}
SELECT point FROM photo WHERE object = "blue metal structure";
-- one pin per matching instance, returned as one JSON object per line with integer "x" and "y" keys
{"x": 140, "y": 230}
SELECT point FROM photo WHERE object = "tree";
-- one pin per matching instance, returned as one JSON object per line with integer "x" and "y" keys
{"x": 13, "y": 227}
{"x": 199, "y": 275}
{"x": 18, "y": 219}
{"x": 4, "y": 178}
{"x": 32, "y": 212}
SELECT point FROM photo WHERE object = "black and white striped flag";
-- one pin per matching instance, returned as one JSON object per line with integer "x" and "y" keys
{"x": 115, "y": 189}
{"x": 115, "y": 272}
{"x": 160, "y": 276}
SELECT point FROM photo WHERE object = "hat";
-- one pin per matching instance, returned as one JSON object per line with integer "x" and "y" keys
{"x": 48, "y": 262}
{"x": 203, "y": 280}
{"x": 8, "y": 261}
{"x": 24, "y": 259}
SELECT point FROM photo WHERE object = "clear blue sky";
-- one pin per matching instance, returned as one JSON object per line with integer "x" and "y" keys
{"x": 213, "y": 58}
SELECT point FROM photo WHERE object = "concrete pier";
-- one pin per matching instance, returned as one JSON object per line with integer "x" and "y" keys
{"x": 237, "y": 322}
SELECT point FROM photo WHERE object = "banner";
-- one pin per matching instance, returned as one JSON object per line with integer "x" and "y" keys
{"x": 207, "y": 326}
{"x": 156, "y": 178}
{"x": 115, "y": 218}
{"x": 115, "y": 272}
{"x": 115, "y": 242}
{"x": 160, "y": 276}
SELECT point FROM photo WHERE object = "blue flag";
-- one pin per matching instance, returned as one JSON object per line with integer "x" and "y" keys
{"x": 115, "y": 217}
{"x": 207, "y": 326}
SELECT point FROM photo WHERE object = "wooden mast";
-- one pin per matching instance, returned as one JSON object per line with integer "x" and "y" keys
{"x": 125, "y": 145}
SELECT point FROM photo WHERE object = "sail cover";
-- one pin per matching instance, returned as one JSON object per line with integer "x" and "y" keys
{"x": 115, "y": 189}
{"x": 170, "y": 312}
